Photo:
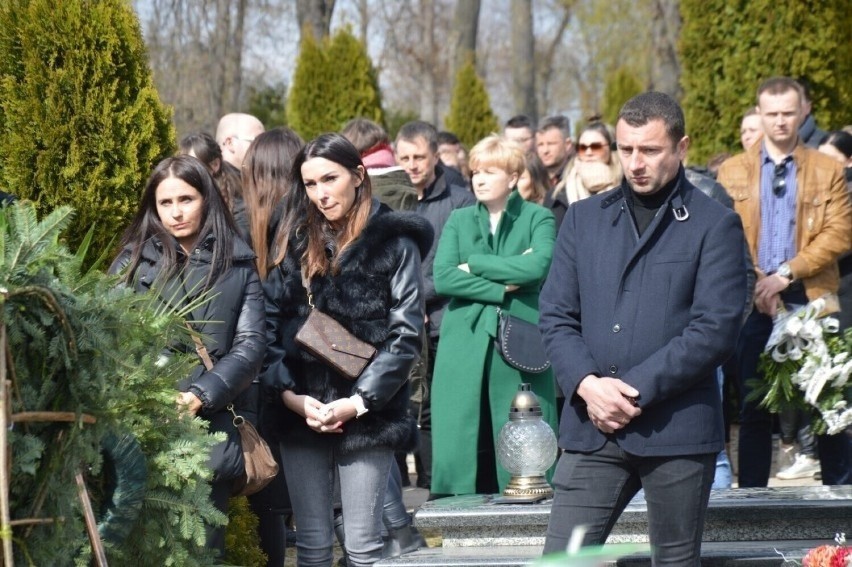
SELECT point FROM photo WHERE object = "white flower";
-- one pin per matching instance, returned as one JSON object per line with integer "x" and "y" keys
{"x": 813, "y": 385}
{"x": 793, "y": 327}
{"x": 843, "y": 373}
{"x": 798, "y": 341}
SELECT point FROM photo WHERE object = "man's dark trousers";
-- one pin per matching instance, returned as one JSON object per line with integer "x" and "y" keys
{"x": 593, "y": 489}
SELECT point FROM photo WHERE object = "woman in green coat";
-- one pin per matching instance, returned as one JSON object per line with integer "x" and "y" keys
{"x": 494, "y": 255}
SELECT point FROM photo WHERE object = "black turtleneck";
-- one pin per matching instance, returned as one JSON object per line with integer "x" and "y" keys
{"x": 644, "y": 207}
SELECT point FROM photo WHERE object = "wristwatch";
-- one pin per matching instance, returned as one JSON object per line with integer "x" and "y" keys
{"x": 785, "y": 272}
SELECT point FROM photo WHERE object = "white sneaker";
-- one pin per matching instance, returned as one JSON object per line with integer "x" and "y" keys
{"x": 786, "y": 456}
{"x": 803, "y": 467}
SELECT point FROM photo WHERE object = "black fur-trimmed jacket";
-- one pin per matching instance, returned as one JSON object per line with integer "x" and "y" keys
{"x": 377, "y": 296}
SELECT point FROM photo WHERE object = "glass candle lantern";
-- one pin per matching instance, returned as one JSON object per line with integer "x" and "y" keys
{"x": 526, "y": 448}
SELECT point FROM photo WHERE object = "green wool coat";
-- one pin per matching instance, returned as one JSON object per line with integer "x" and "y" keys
{"x": 466, "y": 354}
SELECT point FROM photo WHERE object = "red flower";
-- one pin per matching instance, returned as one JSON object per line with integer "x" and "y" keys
{"x": 841, "y": 557}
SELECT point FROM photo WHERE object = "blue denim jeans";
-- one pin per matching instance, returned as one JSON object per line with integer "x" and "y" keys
{"x": 363, "y": 481}
{"x": 592, "y": 489}
{"x": 723, "y": 476}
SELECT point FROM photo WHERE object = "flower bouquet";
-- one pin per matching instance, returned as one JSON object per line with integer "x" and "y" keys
{"x": 830, "y": 555}
{"x": 807, "y": 364}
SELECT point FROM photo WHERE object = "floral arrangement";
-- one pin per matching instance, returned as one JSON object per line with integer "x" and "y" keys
{"x": 829, "y": 555}
{"x": 807, "y": 364}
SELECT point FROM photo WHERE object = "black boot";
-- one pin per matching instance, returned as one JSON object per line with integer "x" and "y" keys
{"x": 402, "y": 540}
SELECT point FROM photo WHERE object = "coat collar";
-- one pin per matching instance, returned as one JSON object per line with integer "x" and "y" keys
{"x": 677, "y": 202}
{"x": 754, "y": 152}
{"x": 514, "y": 203}
{"x": 152, "y": 250}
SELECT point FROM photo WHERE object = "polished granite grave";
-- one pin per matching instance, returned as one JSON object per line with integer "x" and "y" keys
{"x": 743, "y": 514}
{"x": 749, "y": 527}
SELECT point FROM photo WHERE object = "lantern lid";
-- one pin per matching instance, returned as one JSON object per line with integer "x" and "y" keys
{"x": 525, "y": 404}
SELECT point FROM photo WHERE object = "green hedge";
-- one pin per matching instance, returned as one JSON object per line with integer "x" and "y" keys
{"x": 727, "y": 48}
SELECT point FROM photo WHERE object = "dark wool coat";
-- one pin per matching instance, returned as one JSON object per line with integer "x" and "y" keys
{"x": 660, "y": 311}
{"x": 232, "y": 327}
{"x": 377, "y": 296}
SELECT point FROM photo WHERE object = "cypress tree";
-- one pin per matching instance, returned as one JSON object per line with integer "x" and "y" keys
{"x": 81, "y": 122}
{"x": 334, "y": 82}
{"x": 470, "y": 117}
{"x": 728, "y": 48}
{"x": 621, "y": 86}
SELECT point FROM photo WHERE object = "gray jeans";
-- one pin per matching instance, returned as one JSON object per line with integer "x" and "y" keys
{"x": 363, "y": 481}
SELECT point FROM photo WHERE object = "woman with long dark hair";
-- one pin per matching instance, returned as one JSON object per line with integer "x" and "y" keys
{"x": 266, "y": 181}
{"x": 340, "y": 251}
{"x": 182, "y": 246}
{"x": 203, "y": 146}
{"x": 267, "y": 178}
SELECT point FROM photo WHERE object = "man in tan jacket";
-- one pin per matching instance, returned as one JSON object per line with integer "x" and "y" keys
{"x": 798, "y": 220}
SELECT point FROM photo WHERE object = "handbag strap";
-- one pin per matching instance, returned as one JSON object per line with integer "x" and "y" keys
{"x": 306, "y": 283}
{"x": 200, "y": 348}
{"x": 238, "y": 419}
{"x": 208, "y": 364}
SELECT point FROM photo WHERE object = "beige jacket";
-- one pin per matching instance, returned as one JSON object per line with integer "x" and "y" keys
{"x": 823, "y": 214}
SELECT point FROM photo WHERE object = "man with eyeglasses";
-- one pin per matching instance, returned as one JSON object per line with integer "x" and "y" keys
{"x": 798, "y": 221}
{"x": 235, "y": 133}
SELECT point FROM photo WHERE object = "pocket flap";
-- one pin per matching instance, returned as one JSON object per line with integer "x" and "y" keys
{"x": 355, "y": 348}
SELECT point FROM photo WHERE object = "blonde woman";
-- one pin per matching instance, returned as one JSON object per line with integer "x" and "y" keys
{"x": 491, "y": 256}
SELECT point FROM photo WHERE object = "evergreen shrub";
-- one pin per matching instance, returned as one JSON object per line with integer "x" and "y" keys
{"x": 621, "y": 86}
{"x": 334, "y": 82}
{"x": 81, "y": 122}
{"x": 470, "y": 117}
{"x": 79, "y": 343}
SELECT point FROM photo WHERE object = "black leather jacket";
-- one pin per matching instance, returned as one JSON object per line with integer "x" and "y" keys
{"x": 232, "y": 323}
{"x": 377, "y": 296}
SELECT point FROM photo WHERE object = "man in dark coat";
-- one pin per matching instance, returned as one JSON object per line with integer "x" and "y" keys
{"x": 643, "y": 301}
{"x": 438, "y": 195}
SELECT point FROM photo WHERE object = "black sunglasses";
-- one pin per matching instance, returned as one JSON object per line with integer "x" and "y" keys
{"x": 779, "y": 182}
{"x": 594, "y": 146}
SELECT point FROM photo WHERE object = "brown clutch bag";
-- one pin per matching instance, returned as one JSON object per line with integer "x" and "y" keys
{"x": 330, "y": 342}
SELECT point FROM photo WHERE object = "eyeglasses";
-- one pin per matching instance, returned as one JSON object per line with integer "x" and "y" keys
{"x": 779, "y": 181}
{"x": 596, "y": 147}
{"x": 240, "y": 138}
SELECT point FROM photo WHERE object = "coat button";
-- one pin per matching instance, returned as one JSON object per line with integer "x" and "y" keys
{"x": 616, "y": 328}
{"x": 613, "y": 369}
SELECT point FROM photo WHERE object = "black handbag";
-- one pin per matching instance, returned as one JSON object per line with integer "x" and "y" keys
{"x": 520, "y": 344}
